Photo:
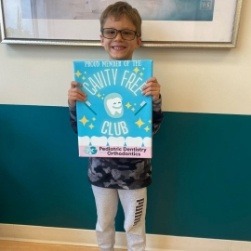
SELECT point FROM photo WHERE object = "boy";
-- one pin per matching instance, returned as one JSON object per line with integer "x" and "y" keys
{"x": 120, "y": 36}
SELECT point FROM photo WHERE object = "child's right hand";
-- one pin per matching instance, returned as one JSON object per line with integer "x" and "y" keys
{"x": 75, "y": 94}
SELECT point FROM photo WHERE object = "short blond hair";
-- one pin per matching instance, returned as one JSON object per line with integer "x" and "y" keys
{"x": 119, "y": 9}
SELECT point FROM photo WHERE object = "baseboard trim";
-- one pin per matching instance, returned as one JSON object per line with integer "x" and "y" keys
{"x": 87, "y": 238}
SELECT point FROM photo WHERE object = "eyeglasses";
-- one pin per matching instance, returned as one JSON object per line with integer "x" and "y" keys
{"x": 111, "y": 33}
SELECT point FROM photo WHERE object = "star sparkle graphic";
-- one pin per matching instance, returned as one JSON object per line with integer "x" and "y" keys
{"x": 128, "y": 105}
{"x": 78, "y": 74}
{"x": 147, "y": 129}
{"x": 84, "y": 120}
{"x": 139, "y": 122}
{"x": 136, "y": 70}
{"x": 91, "y": 126}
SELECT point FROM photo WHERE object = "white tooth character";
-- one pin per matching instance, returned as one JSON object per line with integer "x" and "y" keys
{"x": 113, "y": 105}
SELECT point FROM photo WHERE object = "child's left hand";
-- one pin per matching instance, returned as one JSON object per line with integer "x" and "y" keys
{"x": 152, "y": 87}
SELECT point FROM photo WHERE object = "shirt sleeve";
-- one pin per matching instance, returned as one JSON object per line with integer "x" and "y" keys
{"x": 73, "y": 120}
{"x": 158, "y": 115}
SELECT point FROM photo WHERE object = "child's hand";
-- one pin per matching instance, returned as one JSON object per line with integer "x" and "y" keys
{"x": 75, "y": 94}
{"x": 152, "y": 87}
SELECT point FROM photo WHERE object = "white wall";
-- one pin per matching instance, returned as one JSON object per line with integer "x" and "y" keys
{"x": 193, "y": 80}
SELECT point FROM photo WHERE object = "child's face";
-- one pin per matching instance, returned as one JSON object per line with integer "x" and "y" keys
{"x": 119, "y": 48}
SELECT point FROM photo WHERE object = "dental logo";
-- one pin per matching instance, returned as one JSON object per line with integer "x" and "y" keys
{"x": 91, "y": 150}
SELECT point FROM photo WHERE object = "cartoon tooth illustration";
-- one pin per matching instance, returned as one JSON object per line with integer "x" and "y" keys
{"x": 113, "y": 105}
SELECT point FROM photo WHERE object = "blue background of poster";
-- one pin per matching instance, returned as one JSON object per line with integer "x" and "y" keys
{"x": 137, "y": 108}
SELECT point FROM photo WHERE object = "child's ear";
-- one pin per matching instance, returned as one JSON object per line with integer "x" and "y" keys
{"x": 139, "y": 41}
{"x": 101, "y": 39}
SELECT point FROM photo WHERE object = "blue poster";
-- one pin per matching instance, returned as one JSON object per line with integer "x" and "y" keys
{"x": 116, "y": 118}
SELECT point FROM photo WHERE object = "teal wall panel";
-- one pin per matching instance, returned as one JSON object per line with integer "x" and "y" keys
{"x": 42, "y": 182}
{"x": 201, "y": 174}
